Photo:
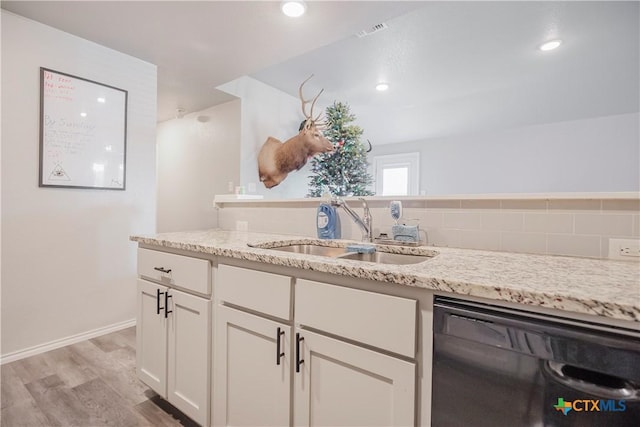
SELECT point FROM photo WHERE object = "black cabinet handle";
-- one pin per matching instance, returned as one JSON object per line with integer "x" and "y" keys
{"x": 158, "y": 308}
{"x": 166, "y": 304}
{"x": 298, "y": 360}
{"x": 279, "y": 353}
{"x": 162, "y": 270}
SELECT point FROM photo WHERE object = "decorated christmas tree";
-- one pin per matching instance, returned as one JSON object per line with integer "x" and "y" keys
{"x": 342, "y": 172}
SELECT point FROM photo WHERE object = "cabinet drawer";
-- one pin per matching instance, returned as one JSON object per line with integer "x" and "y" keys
{"x": 382, "y": 321}
{"x": 256, "y": 290}
{"x": 175, "y": 270}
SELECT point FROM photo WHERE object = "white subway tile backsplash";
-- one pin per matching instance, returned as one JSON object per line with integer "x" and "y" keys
{"x": 423, "y": 236}
{"x": 573, "y": 245}
{"x": 575, "y": 205}
{"x": 442, "y": 204}
{"x": 443, "y": 237}
{"x": 621, "y": 205}
{"x": 479, "y": 239}
{"x": 409, "y": 216}
{"x": 604, "y": 247}
{"x": 428, "y": 218}
{"x": 463, "y": 220}
{"x": 604, "y": 224}
{"x": 558, "y": 227}
{"x": 523, "y": 204}
{"x": 502, "y": 221}
{"x": 548, "y": 222}
{"x": 480, "y": 204}
{"x": 412, "y": 204}
{"x": 532, "y": 243}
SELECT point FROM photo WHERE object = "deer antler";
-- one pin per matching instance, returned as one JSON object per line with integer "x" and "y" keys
{"x": 309, "y": 117}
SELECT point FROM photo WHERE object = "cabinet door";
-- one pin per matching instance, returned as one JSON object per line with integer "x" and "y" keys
{"x": 341, "y": 384}
{"x": 188, "y": 359}
{"x": 250, "y": 387}
{"x": 151, "y": 337}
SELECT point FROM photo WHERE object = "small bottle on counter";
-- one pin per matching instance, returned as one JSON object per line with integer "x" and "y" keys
{"x": 327, "y": 222}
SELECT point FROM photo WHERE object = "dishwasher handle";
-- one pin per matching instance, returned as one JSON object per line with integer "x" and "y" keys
{"x": 485, "y": 332}
{"x": 592, "y": 382}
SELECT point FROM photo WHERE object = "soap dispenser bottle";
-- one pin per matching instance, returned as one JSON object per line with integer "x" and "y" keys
{"x": 327, "y": 222}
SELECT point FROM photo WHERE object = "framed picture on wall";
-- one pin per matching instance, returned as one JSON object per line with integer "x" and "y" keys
{"x": 83, "y": 133}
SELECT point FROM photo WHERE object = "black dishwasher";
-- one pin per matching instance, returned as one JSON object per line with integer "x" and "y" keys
{"x": 495, "y": 367}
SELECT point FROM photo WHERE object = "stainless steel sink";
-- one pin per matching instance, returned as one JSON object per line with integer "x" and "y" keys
{"x": 312, "y": 250}
{"x": 386, "y": 258}
{"x": 341, "y": 253}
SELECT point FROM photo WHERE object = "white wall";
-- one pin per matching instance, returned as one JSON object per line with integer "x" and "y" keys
{"x": 266, "y": 111}
{"x": 197, "y": 156}
{"x": 591, "y": 155}
{"x": 68, "y": 267}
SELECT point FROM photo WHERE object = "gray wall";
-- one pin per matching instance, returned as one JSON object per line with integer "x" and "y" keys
{"x": 592, "y": 155}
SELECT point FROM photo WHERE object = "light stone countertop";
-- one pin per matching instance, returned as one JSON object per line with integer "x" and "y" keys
{"x": 603, "y": 288}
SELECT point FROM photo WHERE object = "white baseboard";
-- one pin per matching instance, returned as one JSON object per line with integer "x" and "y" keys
{"x": 52, "y": 345}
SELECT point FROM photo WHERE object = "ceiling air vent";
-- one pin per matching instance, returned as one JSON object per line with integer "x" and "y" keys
{"x": 376, "y": 28}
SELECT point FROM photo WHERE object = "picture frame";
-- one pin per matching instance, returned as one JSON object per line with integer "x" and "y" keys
{"x": 83, "y": 133}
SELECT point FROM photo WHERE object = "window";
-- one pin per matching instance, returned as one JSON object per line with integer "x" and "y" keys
{"x": 397, "y": 174}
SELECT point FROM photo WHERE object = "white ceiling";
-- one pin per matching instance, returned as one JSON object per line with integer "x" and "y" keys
{"x": 453, "y": 67}
{"x": 199, "y": 45}
{"x": 468, "y": 67}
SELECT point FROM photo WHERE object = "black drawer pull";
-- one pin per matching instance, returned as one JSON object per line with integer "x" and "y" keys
{"x": 298, "y": 360}
{"x": 162, "y": 270}
{"x": 158, "y": 308}
{"x": 166, "y": 304}
{"x": 279, "y": 353}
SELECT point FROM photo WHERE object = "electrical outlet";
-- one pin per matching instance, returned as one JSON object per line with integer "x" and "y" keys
{"x": 242, "y": 225}
{"x": 627, "y": 249}
{"x": 230, "y": 187}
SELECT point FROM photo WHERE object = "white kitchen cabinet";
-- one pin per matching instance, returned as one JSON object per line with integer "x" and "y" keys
{"x": 252, "y": 370}
{"x": 151, "y": 336}
{"x": 188, "y": 355}
{"x": 353, "y": 362}
{"x": 173, "y": 332}
{"x": 343, "y": 381}
{"x": 341, "y": 384}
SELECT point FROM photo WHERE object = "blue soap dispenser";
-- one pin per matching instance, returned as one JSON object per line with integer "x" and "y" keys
{"x": 327, "y": 222}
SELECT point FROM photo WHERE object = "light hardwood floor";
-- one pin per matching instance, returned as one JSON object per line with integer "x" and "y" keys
{"x": 89, "y": 384}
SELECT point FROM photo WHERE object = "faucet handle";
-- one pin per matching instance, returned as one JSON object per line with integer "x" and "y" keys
{"x": 365, "y": 206}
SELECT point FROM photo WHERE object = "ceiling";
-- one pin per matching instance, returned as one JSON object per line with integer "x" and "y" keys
{"x": 467, "y": 67}
{"x": 199, "y": 45}
{"x": 453, "y": 67}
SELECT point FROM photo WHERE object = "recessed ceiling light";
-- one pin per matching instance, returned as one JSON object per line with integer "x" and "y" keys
{"x": 293, "y": 9}
{"x": 550, "y": 45}
{"x": 381, "y": 87}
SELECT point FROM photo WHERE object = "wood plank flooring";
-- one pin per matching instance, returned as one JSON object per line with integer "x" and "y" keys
{"x": 92, "y": 383}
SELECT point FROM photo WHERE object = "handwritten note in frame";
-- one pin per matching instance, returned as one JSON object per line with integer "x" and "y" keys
{"x": 83, "y": 133}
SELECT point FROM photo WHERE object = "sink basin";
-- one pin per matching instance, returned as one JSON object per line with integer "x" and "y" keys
{"x": 341, "y": 253}
{"x": 312, "y": 250}
{"x": 386, "y": 258}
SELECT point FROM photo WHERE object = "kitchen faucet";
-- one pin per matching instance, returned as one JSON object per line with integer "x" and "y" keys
{"x": 365, "y": 223}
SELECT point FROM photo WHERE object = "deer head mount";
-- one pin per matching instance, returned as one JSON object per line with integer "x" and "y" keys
{"x": 276, "y": 159}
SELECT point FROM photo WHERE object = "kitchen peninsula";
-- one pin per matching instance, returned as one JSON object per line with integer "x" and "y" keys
{"x": 250, "y": 316}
